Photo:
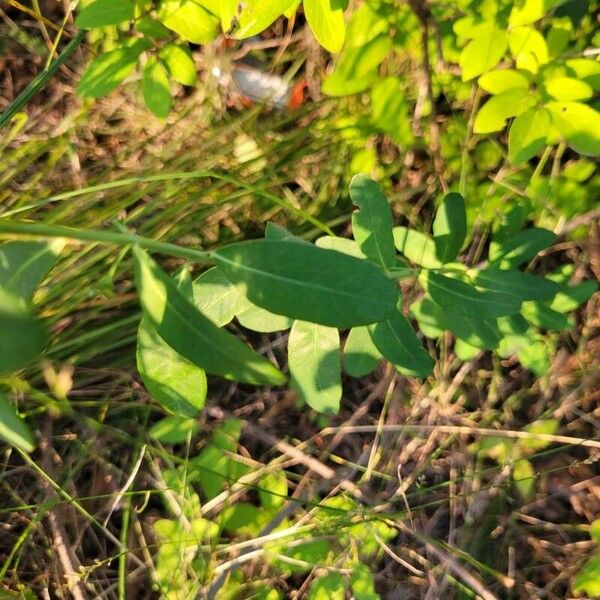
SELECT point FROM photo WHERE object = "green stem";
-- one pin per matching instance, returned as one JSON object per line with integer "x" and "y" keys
{"x": 103, "y": 237}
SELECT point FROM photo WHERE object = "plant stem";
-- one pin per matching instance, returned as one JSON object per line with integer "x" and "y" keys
{"x": 103, "y": 237}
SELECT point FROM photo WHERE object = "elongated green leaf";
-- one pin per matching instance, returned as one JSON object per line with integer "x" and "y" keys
{"x": 101, "y": 13}
{"x": 155, "y": 84}
{"x": 579, "y": 124}
{"x": 339, "y": 244}
{"x": 492, "y": 116}
{"x": 110, "y": 69}
{"x": 314, "y": 361}
{"x": 257, "y": 15}
{"x": 217, "y": 298}
{"x": 326, "y": 20}
{"x": 520, "y": 247}
{"x": 328, "y": 587}
{"x": 543, "y": 316}
{"x": 529, "y": 11}
{"x": 464, "y": 351}
{"x": 524, "y": 285}
{"x": 479, "y": 333}
{"x": 360, "y": 354}
{"x": 12, "y": 428}
{"x": 224, "y": 9}
{"x": 431, "y": 318}
{"x": 372, "y": 223}
{"x": 465, "y": 299}
{"x": 277, "y": 232}
{"x": 22, "y": 337}
{"x": 416, "y": 246}
{"x": 308, "y": 283}
{"x": 190, "y": 20}
{"x": 263, "y": 321}
{"x": 152, "y": 28}
{"x": 174, "y": 429}
{"x": 180, "y": 64}
{"x": 450, "y": 227}
{"x": 273, "y": 489}
{"x": 527, "y": 135}
{"x": 23, "y": 265}
{"x": 570, "y": 297}
{"x": 397, "y": 342}
{"x": 193, "y": 335}
{"x": 502, "y": 80}
{"x": 566, "y": 89}
{"x": 178, "y": 385}
{"x": 528, "y": 47}
{"x": 483, "y": 53}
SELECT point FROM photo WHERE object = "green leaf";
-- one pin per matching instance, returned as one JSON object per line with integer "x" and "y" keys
{"x": 595, "y": 530}
{"x": 242, "y": 517}
{"x": 520, "y": 247}
{"x": 224, "y": 9}
{"x": 390, "y": 110}
{"x": 502, "y": 80}
{"x": 431, "y": 318}
{"x": 23, "y": 335}
{"x": 360, "y": 354}
{"x": 524, "y": 285}
{"x": 257, "y": 15}
{"x": 174, "y": 429}
{"x": 567, "y": 89}
{"x": 327, "y": 587}
{"x": 155, "y": 84}
{"x": 570, "y": 297}
{"x": 586, "y": 70}
{"x": 543, "y": 316}
{"x": 13, "y": 429}
{"x": 363, "y": 583}
{"x": 372, "y": 223}
{"x": 465, "y": 299}
{"x": 263, "y": 321}
{"x": 326, "y": 20}
{"x": 492, "y": 116}
{"x": 190, "y": 20}
{"x": 465, "y": 351}
{"x": 193, "y": 335}
{"x": 524, "y": 477}
{"x": 578, "y": 124}
{"x": 527, "y": 135}
{"x": 110, "y": 69}
{"x": 309, "y": 554}
{"x": 587, "y": 580}
{"x": 152, "y": 28}
{"x": 483, "y": 53}
{"x": 23, "y": 265}
{"x": 277, "y": 232}
{"x": 544, "y": 426}
{"x": 314, "y": 362}
{"x": 217, "y": 298}
{"x": 476, "y": 332}
{"x": 528, "y": 47}
{"x": 180, "y": 64}
{"x": 529, "y": 11}
{"x": 178, "y": 385}
{"x": 308, "y": 283}
{"x": 450, "y": 227}
{"x": 105, "y": 12}
{"x": 273, "y": 490}
{"x": 397, "y": 342}
{"x": 416, "y": 246}
{"x": 339, "y": 244}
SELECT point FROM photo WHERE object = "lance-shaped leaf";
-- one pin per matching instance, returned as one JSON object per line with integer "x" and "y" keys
{"x": 360, "y": 353}
{"x": 527, "y": 135}
{"x": 178, "y": 385}
{"x": 257, "y": 15}
{"x": 23, "y": 265}
{"x": 308, "y": 283}
{"x": 263, "y": 321}
{"x": 545, "y": 317}
{"x": 22, "y": 337}
{"x": 397, "y": 342}
{"x": 416, "y": 246}
{"x": 372, "y": 223}
{"x": 315, "y": 366}
{"x": 524, "y": 285}
{"x": 569, "y": 297}
{"x": 105, "y": 12}
{"x": 517, "y": 249}
{"x": 12, "y": 428}
{"x": 193, "y": 335}
{"x": 450, "y": 227}
{"x": 465, "y": 299}
{"x": 326, "y": 20}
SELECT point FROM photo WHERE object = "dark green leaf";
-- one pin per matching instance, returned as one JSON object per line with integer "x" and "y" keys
{"x": 520, "y": 247}
{"x": 328, "y": 587}
{"x": 155, "y": 84}
{"x": 277, "y": 232}
{"x": 450, "y": 227}
{"x": 416, "y": 246}
{"x": 193, "y": 335}
{"x": 308, "y": 283}
{"x": 152, "y": 28}
{"x": 174, "y": 430}
{"x": 105, "y": 12}
{"x": 543, "y": 316}
{"x": 524, "y": 285}
{"x": 12, "y": 428}
{"x": 360, "y": 354}
{"x": 372, "y": 223}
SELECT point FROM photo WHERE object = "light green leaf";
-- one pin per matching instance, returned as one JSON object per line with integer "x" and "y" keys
{"x": 363, "y": 583}
{"x": 23, "y": 335}
{"x": 13, "y": 429}
{"x": 193, "y": 335}
{"x": 105, "y": 12}
{"x": 465, "y": 351}
{"x": 465, "y": 299}
{"x": 360, "y": 354}
{"x": 578, "y": 124}
{"x": 390, "y": 111}
{"x": 416, "y": 246}
{"x": 242, "y": 517}
{"x": 492, "y": 116}
{"x": 529, "y": 11}
{"x": 483, "y": 53}
{"x": 527, "y": 43}
{"x": 273, "y": 490}
{"x": 155, "y": 84}
{"x": 178, "y": 385}
{"x": 527, "y": 135}
{"x": 586, "y": 70}
{"x": 570, "y": 297}
{"x": 520, "y": 247}
{"x": 23, "y": 265}
{"x": 277, "y": 232}
{"x": 524, "y": 285}
{"x": 190, "y": 20}
{"x": 174, "y": 429}
{"x": 339, "y": 244}
{"x": 372, "y": 223}
{"x": 543, "y": 426}
{"x": 397, "y": 342}
{"x": 543, "y": 316}
{"x": 450, "y": 227}
{"x": 326, "y": 20}
{"x": 152, "y": 28}
{"x": 224, "y": 9}
{"x": 431, "y": 318}
{"x": 524, "y": 477}
{"x": 476, "y": 332}
{"x": 263, "y": 321}
{"x": 257, "y": 15}
{"x": 179, "y": 62}
{"x": 587, "y": 581}
{"x": 502, "y": 80}
{"x": 314, "y": 362}
{"x": 327, "y": 587}
{"x": 110, "y": 69}
{"x": 308, "y": 283}
{"x": 567, "y": 89}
